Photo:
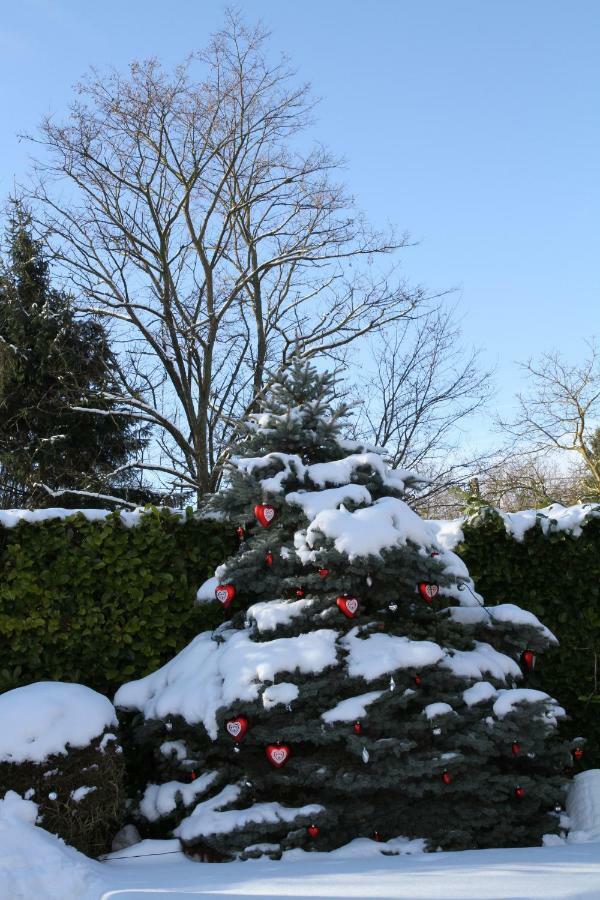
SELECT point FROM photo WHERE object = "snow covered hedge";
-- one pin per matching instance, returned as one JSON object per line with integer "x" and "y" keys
{"x": 99, "y": 597}
{"x": 547, "y": 560}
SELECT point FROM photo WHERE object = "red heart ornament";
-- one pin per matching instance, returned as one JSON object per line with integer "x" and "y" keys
{"x": 357, "y": 728}
{"x": 277, "y": 754}
{"x": 577, "y": 753}
{"x": 528, "y": 660}
{"x": 428, "y": 591}
{"x": 516, "y": 748}
{"x": 313, "y": 830}
{"x": 225, "y": 594}
{"x": 264, "y": 513}
{"x": 269, "y": 558}
{"x": 237, "y": 728}
{"x": 348, "y": 605}
{"x": 323, "y": 573}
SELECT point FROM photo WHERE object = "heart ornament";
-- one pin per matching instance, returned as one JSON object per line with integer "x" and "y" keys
{"x": 278, "y": 754}
{"x": 428, "y": 591}
{"x": 264, "y": 513}
{"x": 237, "y": 728}
{"x": 349, "y": 606}
{"x": 225, "y": 593}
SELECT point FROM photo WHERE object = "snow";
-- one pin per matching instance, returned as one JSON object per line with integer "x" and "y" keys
{"x": 41, "y": 719}
{"x": 583, "y": 806}
{"x": 208, "y": 817}
{"x": 314, "y": 502}
{"x": 351, "y": 709}
{"x": 206, "y": 591}
{"x": 178, "y": 749}
{"x": 161, "y": 799}
{"x": 483, "y": 660}
{"x": 9, "y": 518}
{"x": 208, "y": 675}
{"x": 271, "y": 614}
{"x": 504, "y": 612}
{"x": 448, "y": 532}
{"x": 437, "y": 709}
{"x": 284, "y": 692}
{"x": 479, "y": 693}
{"x": 381, "y": 653}
{"x": 79, "y": 793}
{"x": 507, "y": 700}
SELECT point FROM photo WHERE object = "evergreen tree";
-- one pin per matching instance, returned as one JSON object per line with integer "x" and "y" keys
{"x": 358, "y": 687}
{"x": 51, "y": 361}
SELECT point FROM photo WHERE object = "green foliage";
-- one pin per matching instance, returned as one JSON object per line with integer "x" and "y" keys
{"x": 100, "y": 603}
{"x": 557, "y": 577}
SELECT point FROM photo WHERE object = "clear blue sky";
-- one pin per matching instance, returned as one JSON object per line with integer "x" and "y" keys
{"x": 474, "y": 124}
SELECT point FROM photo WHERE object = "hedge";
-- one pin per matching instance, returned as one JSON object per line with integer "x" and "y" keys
{"x": 555, "y": 575}
{"x": 100, "y": 603}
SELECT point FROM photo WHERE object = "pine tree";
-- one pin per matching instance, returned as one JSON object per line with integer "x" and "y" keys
{"x": 358, "y": 686}
{"x": 51, "y": 361}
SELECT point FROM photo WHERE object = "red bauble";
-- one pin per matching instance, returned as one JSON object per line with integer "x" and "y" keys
{"x": 528, "y": 660}
{"x": 377, "y": 836}
{"x": 577, "y": 753}
{"x": 323, "y": 573}
{"x": 225, "y": 594}
{"x": 269, "y": 558}
{"x": 192, "y": 776}
{"x": 428, "y": 591}
{"x": 357, "y": 728}
{"x": 264, "y": 513}
{"x": 348, "y": 605}
{"x": 435, "y": 553}
{"x": 516, "y": 748}
{"x": 417, "y": 680}
{"x": 300, "y": 592}
{"x": 278, "y": 754}
{"x": 240, "y": 531}
{"x": 446, "y": 777}
{"x": 237, "y": 728}
{"x": 519, "y": 792}
{"x": 313, "y": 831}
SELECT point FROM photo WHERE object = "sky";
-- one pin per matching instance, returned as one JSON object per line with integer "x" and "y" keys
{"x": 472, "y": 124}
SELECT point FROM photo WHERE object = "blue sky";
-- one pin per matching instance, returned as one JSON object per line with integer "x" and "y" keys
{"x": 473, "y": 124}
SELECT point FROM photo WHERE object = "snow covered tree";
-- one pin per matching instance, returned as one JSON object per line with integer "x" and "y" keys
{"x": 358, "y": 686}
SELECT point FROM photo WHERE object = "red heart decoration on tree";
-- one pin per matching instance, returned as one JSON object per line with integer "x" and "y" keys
{"x": 225, "y": 594}
{"x": 577, "y": 753}
{"x": 428, "y": 591}
{"x": 265, "y": 513}
{"x": 237, "y": 728}
{"x": 516, "y": 748}
{"x": 269, "y": 558}
{"x": 313, "y": 830}
{"x": 519, "y": 792}
{"x": 300, "y": 592}
{"x": 323, "y": 573}
{"x": 528, "y": 660}
{"x": 357, "y": 727}
{"x": 348, "y": 605}
{"x": 447, "y": 778}
{"x": 277, "y": 754}
{"x": 240, "y": 532}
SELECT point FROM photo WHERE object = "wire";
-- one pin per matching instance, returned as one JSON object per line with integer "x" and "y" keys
{"x": 109, "y": 857}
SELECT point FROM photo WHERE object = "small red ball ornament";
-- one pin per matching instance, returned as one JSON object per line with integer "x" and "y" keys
{"x": 577, "y": 753}
{"x": 447, "y": 778}
{"x": 225, "y": 593}
{"x": 348, "y": 605}
{"x": 377, "y": 836}
{"x": 278, "y": 754}
{"x": 323, "y": 573}
{"x": 357, "y": 728}
{"x": 516, "y": 748}
{"x": 237, "y": 728}
{"x": 240, "y": 531}
{"x": 269, "y": 558}
{"x": 528, "y": 660}
{"x": 428, "y": 591}
{"x": 300, "y": 592}
{"x": 417, "y": 680}
{"x": 313, "y": 831}
{"x": 264, "y": 513}
{"x": 519, "y": 792}
{"x": 192, "y": 776}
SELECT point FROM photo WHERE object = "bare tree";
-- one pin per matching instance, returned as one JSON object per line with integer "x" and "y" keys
{"x": 561, "y": 409}
{"x": 422, "y": 389}
{"x": 187, "y": 212}
{"x": 530, "y": 482}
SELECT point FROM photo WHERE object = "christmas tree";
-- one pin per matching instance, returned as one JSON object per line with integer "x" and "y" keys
{"x": 358, "y": 686}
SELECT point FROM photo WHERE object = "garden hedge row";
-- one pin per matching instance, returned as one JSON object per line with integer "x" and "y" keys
{"x": 100, "y": 603}
{"x": 556, "y": 576}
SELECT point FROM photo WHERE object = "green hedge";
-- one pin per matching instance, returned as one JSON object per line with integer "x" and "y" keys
{"x": 557, "y": 577}
{"x": 101, "y": 603}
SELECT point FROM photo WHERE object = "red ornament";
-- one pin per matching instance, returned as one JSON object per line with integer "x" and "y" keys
{"x": 240, "y": 531}
{"x": 265, "y": 513}
{"x": 225, "y": 594}
{"x": 528, "y": 660}
{"x": 192, "y": 775}
{"x": 577, "y": 753}
{"x": 357, "y": 728}
{"x": 348, "y": 605}
{"x": 516, "y": 748}
{"x": 313, "y": 831}
{"x": 278, "y": 754}
{"x": 417, "y": 680}
{"x": 428, "y": 591}
{"x": 447, "y": 778}
{"x": 435, "y": 553}
{"x": 237, "y": 728}
{"x": 519, "y": 792}
{"x": 269, "y": 558}
{"x": 377, "y": 836}
{"x": 299, "y": 592}
{"x": 323, "y": 573}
